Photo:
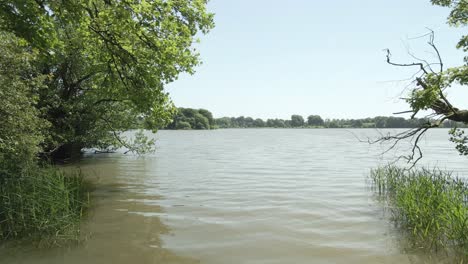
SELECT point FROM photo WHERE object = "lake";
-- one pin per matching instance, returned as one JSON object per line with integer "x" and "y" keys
{"x": 243, "y": 196}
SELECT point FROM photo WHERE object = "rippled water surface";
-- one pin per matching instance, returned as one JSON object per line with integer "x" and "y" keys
{"x": 242, "y": 196}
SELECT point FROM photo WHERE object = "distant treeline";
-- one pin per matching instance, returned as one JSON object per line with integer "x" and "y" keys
{"x": 188, "y": 118}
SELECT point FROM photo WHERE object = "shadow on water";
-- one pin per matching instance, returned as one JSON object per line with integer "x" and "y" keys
{"x": 122, "y": 225}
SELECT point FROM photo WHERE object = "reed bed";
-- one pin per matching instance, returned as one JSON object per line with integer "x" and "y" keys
{"x": 431, "y": 206}
{"x": 43, "y": 205}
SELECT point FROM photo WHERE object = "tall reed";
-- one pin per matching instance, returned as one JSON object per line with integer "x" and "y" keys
{"x": 42, "y": 204}
{"x": 431, "y": 206}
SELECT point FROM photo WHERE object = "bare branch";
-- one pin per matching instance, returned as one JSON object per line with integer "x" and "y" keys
{"x": 420, "y": 65}
{"x": 441, "y": 106}
{"x": 404, "y": 112}
{"x": 428, "y": 65}
{"x": 431, "y": 43}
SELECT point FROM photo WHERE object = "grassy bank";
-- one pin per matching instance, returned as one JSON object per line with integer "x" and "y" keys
{"x": 430, "y": 206}
{"x": 44, "y": 205}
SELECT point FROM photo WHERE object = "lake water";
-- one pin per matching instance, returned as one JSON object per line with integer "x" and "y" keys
{"x": 242, "y": 196}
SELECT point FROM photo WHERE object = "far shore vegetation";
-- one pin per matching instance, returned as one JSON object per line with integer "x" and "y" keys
{"x": 189, "y": 118}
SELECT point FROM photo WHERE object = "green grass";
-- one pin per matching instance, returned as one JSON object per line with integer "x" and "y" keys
{"x": 44, "y": 205}
{"x": 430, "y": 206}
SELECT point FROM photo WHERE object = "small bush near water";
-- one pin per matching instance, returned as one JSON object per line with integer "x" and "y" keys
{"x": 41, "y": 204}
{"x": 431, "y": 206}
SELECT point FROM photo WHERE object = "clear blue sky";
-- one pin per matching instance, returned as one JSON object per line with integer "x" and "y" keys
{"x": 272, "y": 58}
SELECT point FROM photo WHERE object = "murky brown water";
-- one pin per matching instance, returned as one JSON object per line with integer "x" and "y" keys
{"x": 241, "y": 196}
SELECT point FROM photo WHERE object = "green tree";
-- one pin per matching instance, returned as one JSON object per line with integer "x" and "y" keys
{"x": 188, "y": 118}
{"x": 431, "y": 88}
{"x": 240, "y": 121}
{"x": 259, "y": 122}
{"x": 315, "y": 120}
{"x": 35, "y": 201}
{"x": 223, "y": 122}
{"x": 297, "y": 121}
{"x": 183, "y": 125}
{"x": 333, "y": 123}
{"x": 380, "y": 121}
{"x": 280, "y": 123}
{"x": 201, "y": 122}
{"x": 107, "y": 62}
{"x": 249, "y": 122}
{"x": 396, "y": 122}
{"x": 208, "y": 115}
{"x": 270, "y": 123}
{"x": 21, "y": 129}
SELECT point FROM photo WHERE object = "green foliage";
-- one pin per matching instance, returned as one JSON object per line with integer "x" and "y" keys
{"x": 21, "y": 130}
{"x": 183, "y": 125}
{"x": 423, "y": 99}
{"x": 277, "y": 123}
{"x": 140, "y": 143}
{"x": 42, "y": 204}
{"x": 35, "y": 202}
{"x": 258, "y": 123}
{"x": 223, "y": 122}
{"x": 297, "y": 121}
{"x": 428, "y": 205}
{"x": 458, "y": 137}
{"x": 458, "y": 13}
{"x": 77, "y": 74}
{"x": 188, "y": 118}
{"x": 201, "y": 122}
{"x": 106, "y": 62}
{"x": 208, "y": 115}
{"x": 432, "y": 85}
{"x": 315, "y": 120}
{"x": 458, "y": 17}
